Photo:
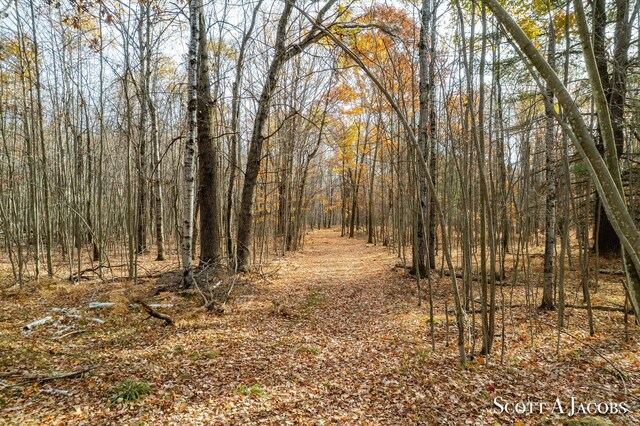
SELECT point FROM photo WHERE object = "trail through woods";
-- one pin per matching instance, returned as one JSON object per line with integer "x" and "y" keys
{"x": 334, "y": 336}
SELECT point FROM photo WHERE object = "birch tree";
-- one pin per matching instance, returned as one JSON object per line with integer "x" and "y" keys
{"x": 190, "y": 145}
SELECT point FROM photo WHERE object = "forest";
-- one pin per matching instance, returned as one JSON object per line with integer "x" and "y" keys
{"x": 362, "y": 212}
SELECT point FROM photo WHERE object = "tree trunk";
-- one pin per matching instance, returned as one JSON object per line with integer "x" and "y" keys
{"x": 432, "y": 138}
{"x": 245, "y": 222}
{"x": 45, "y": 163}
{"x": 235, "y": 130}
{"x": 550, "y": 218}
{"x": 282, "y": 54}
{"x": 207, "y": 161}
{"x": 157, "y": 181}
{"x": 189, "y": 154}
{"x": 141, "y": 223}
{"x": 420, "y": 252}
{"x": 615, "y": 88}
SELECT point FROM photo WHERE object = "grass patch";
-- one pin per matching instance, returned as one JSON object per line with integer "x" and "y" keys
{"x": 197, "y": 355}
{"x": 307, "y": 350}
{"x": 423, "y": 355}
{"x": 188, "y": 295}
{"x": 436, "y": 321}
{"x": 471, "y": 366}
{"x": 314, "y": 299}
{"x": 130, "y": 391}
{"x": 253, "y": 390}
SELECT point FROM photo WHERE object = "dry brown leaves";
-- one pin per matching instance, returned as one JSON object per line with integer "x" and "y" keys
{"x": 334, "y": 337}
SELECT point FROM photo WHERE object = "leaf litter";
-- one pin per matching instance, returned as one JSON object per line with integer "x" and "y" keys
{"x": 335, "y": 336}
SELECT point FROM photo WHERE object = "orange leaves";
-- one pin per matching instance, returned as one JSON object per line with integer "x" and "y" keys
{"x": 343, "y": 94}
{"x": 357, "y": 354}
{"x": 561, "y": 21}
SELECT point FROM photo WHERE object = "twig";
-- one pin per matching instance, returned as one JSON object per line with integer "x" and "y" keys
{"x": 152, "y": 313}
{"x": 44, "y": 379}
{"x": 265, "y": 275}
{"x": 71, "y": 333}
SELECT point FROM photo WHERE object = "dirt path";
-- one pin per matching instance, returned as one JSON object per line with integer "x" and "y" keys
{"x": 334, "y": 337}
{"x": 323, "y": 339}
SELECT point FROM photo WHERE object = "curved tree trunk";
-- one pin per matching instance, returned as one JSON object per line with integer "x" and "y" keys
{"x": 606, "y": 175}
{"x": 425, "y": 170}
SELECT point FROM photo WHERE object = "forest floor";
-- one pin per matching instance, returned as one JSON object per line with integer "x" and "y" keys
{"x": 333, "y": 336}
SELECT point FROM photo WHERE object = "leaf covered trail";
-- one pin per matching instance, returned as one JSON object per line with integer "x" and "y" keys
{"x": 333, "y": 337}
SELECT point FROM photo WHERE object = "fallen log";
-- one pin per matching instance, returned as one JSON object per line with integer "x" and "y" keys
{"x": 56, "y": 391}
{"x": 79, "y": 275}
{"x": 152, "y": 313}
{"x": 97, "y": 305}
{"x": 154, "y": 305}
{"x": 35, "y": 324}
{"x": 69, "y": 375}
{"x": 601, "y": 308}
{"x": 595, "y": 308}
{"x": 497, "y": 308}
{"x": 43, "y": 379}
{"x": 479, "y": 310}
{"x": 474, "y": 277}
{"x": 611, "y": 271}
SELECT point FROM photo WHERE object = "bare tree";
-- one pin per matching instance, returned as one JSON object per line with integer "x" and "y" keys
{"x": 190, "y": 145}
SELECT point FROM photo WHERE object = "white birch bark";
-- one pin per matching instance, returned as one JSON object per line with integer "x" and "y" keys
{"x": 189, "y": 152}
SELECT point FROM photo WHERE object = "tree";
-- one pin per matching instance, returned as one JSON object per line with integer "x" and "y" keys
{"x": 605, "y": 175}
{"x": 419, "y": 260}
{"x": 235, "y": 119}
{"x": 190, "y": 145}
{"x": 282, "y": 53}
{"x": 614, "y": 84}
{"x": 549, "y": 147}
{"x": 208, "y": 195}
